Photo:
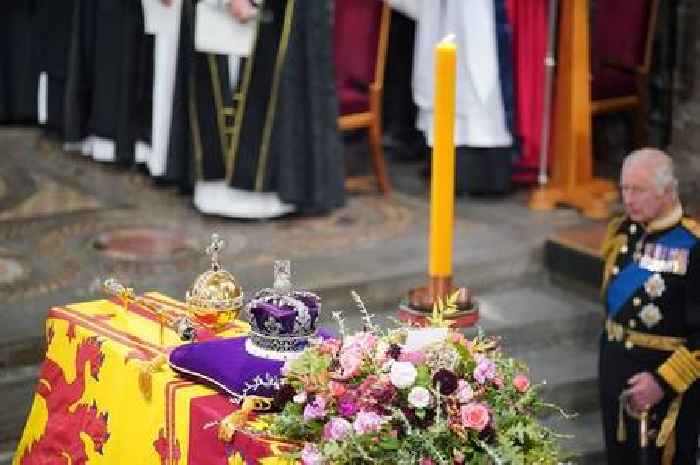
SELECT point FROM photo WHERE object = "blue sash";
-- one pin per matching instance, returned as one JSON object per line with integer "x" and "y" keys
{"x": 632, "y": 277}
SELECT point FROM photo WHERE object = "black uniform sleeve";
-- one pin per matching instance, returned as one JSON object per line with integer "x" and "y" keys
{"x": 682, "y": 368}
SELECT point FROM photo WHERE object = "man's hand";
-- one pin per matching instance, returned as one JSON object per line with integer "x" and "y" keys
{"x": 644, "y": 391}
{"x": 242, "y": 10}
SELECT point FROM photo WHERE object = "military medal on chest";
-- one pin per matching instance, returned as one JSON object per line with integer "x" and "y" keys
{"x": 663, "y": 259}
{"x": 650, "y": 315}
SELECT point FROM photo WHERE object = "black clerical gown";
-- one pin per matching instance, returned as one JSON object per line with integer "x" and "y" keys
{"x": 53, "y": 30}
{"x": 18, "y": 67}
{"x": 109, "y": 83}
{"x": 279, "y": 134}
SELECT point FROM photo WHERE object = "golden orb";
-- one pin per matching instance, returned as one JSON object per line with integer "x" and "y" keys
{"x": 215, "y": 298}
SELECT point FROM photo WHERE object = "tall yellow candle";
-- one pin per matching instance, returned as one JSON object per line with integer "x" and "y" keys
{"x": 443, "y": 161}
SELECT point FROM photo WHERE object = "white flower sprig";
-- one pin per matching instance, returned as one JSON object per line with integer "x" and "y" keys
{"x": 366, "y": 316}
{"x": 338, "y": 317}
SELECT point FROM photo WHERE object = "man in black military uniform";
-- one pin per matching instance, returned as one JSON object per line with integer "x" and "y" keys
{"x": 649, "y": 357}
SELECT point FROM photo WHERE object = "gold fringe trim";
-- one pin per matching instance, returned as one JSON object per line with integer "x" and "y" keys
{"x": 680, "y": 370}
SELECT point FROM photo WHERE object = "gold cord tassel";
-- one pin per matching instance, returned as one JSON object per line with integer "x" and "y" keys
{"x": 667, "y": 433}
{"x": 146, "y": 371}
{"x": 230, "y": 423}
{"x": 669, "y": 423}
{"x": 621, "y": 432}
{"x": 669, "y": 450}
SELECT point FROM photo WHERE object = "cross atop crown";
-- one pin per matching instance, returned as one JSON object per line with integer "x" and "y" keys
{"x": 215, "y": 246}
{"x": 283, "y": 276}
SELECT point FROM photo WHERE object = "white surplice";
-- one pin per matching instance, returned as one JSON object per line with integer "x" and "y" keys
{"x": 164, "y": 23}
{"x": 480, "y": 120}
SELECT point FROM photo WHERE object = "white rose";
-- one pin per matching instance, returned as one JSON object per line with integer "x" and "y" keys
{"x": 419, "y": 397}
{"x": 403, "y": 374}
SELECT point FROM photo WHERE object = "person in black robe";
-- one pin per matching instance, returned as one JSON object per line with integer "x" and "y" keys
{"x": 108, "y": 87}
{"x": 18, "y": 70}
{"x": 276, "y": 141}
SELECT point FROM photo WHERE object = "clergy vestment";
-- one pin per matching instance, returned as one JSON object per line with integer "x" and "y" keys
{"x": 109, "y": 80}
{"x": 275, "y": 148}
{"x": 484, "y": 86}
{"x": 53, "y": 30}
{"x": 162, "y": 24}
{"x": 18, "y": 70}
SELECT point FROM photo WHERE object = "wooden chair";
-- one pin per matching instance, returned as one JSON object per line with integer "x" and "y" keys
{"x": 360, "y": 44}
{"x": 621, "y": 47}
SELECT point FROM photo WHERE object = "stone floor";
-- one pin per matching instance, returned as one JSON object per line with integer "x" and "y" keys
{"x": 67, "y": 222}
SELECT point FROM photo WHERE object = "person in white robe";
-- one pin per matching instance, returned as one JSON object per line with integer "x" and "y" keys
{"x": 481, "y": 134}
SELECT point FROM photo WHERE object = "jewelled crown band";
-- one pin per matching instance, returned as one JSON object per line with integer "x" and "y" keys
{"x": 282, "y": 320}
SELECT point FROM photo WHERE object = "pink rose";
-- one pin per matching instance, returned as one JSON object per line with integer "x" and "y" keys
{"x": 416, "y": 357}
{"x": 311, "y": 455}
{"x": 465, "y": 393}
{"x": 350, "y": 362}
{"x": 426, "y": 461}
{"x": 337, "y": 389}
{"x": 336, "y": 429}
{"x": 475, "y": 416}
{"x": 521, "y": 383}
{"x": 367, "y": 422}
{"x": 365, "y": 342}
{"x": 458, "y": 338}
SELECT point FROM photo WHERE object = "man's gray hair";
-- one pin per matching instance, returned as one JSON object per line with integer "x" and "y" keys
{"x": 659, "y": 164}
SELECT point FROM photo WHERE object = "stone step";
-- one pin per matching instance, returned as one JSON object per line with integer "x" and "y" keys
{"x": 584, "y": 439}
{"x": 381, "y": 294}
{"x": 567, "y": 376}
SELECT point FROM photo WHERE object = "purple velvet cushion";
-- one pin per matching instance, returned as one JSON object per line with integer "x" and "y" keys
{"x": 224, "y": 364}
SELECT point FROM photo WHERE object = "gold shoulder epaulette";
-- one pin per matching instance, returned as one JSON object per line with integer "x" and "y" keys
{"x": 612, "y": 243}
{"x": 691, "y": 225}
{"x": 613, "y": 226}
{"x": 610, "y": 233}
